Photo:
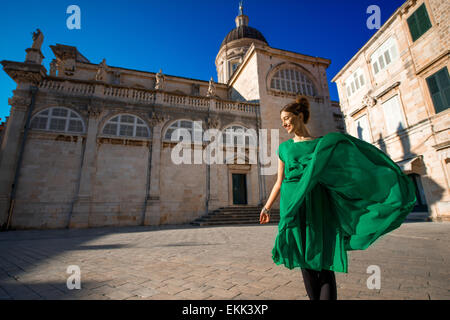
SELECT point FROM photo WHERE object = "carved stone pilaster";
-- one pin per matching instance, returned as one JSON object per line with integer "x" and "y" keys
{"x": 158, "y": 118}
{"x": 19, "y": 102}
{"x": 213, "y": 122}
{"x": 95, "y": 110}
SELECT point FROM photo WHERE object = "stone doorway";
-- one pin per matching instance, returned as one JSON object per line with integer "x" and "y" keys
{"x": 239, "y": 182}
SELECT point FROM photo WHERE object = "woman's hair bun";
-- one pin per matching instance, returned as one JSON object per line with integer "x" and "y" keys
{"x": 300, "y": 105}
{"x": 302, "y": 102}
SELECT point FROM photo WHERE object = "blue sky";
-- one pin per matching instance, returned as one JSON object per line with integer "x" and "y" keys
{"x": 183, "y": 37}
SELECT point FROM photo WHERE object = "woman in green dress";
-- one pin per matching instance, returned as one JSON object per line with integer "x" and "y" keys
{"x": 337, "y": 193}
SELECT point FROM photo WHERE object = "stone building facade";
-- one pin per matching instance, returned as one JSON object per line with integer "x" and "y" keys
{"x": 88, "y": 144}
{"x": 395, "y": 94}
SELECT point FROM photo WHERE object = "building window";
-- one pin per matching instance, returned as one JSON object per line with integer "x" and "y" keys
{"x": 419, "y": 22}
{"x": 181, "y": 130}
{"x": 362, "y": 128}
{"x": 238, "y": 135}
{"x": 234, "y": 66}
{"x": 126, "y": 125}
{"x": 58, "y": 119}
{"x": 386, "y": 54}
{"x": 393, "y": 115}
{"x": 354, "y": 82}
{"x": 293, "y": 81}
{"x": 439, "y": 86}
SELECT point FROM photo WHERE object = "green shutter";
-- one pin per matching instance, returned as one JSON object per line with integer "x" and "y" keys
{"x": 419, "y": 22}
{"x": 444, "y": 85}
{"x": 413, "y": 27}
{"x": 422, "y": 19}
{"x": 439, "y": 86}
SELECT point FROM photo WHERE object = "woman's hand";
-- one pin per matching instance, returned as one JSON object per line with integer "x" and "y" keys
{"x": 264, "y": 217}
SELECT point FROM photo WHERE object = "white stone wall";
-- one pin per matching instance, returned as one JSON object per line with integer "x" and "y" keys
{"x": 120, "y": 185}
{"x": 246, "y": 86}
{"x": 183, "y": 189}
{"x": 48, "y": 181}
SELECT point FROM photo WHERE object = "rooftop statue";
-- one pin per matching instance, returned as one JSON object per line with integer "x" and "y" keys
{"x": 38, "y": 38}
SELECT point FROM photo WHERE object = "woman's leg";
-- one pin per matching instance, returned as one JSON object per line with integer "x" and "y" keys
{"x": 327, "y": 283}
{"x": 312, "y": 284}
{"x": 320, "y": 285}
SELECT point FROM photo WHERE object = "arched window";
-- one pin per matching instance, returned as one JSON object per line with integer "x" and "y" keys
{"x": 126, "y": 125}
{"x": 175, "y": 131}
{"x": 294, "y": 81}
{"x": 58, "y": 119}
{"x": 238, "y": 135}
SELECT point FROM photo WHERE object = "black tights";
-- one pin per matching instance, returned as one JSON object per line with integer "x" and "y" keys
{"x": 320, "y": 285}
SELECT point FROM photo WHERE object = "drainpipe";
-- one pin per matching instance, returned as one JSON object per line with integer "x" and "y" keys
{"x": 207, "y": 164}
{"x": 149, "y": 174}
{"x": 77, "y": 190}
{"x": 33, "y": 90}
{"x": 258, "y": 160}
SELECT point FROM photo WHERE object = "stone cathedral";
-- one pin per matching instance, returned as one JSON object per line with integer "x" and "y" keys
{"x": 87, "y": 144}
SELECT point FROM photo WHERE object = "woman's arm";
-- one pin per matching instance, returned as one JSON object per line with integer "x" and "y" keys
{"x": 264, "y": 217}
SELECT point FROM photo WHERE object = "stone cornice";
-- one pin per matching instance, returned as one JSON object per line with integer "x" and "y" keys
{"x": 385, "y": 91}
{"x": 24, "y": 71}
{"x": 432, "y": 62}
{"x": 300, "y": 57}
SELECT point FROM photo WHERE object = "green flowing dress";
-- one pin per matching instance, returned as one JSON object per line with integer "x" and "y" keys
{"x": 339, "y": 193}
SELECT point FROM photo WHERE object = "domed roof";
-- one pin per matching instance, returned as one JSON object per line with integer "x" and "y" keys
{"x": 241, "y": 32}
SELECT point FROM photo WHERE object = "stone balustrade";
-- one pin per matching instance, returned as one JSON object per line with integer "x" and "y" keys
{"x": 76, "y": 88}
{"x": 137, "y": 95}
{"x": 232, "y": 106}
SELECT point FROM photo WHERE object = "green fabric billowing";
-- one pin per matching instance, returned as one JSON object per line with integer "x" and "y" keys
{"x": 339, "y": 193}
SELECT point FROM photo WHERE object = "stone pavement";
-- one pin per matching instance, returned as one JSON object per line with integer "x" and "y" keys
{"x": 230, "y": 262}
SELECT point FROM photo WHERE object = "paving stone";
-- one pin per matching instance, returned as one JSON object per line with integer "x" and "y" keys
{"x": 118, "y": 295}
{"x": 192, "y": 294}
{"x": 150, "y": 263}
{"x": 145, "y": 292}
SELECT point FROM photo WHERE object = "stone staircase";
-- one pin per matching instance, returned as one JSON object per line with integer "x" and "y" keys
{"x": 246, "y": 214}
{"x": 418, "y": 217}
{"x": 234, "y": 215}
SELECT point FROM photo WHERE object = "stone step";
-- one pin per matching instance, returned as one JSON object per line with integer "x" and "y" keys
{"x": 233, "y": 221}
{"x": 238, "y": 209}
{"x": 219, "y": 223}
{"x": 418, "y": 216}
{"x": 235, "y": 215}
{"x": 238, "y": 216}
{"x": 249, "y": 213}
{"x": 233, "y": 218}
